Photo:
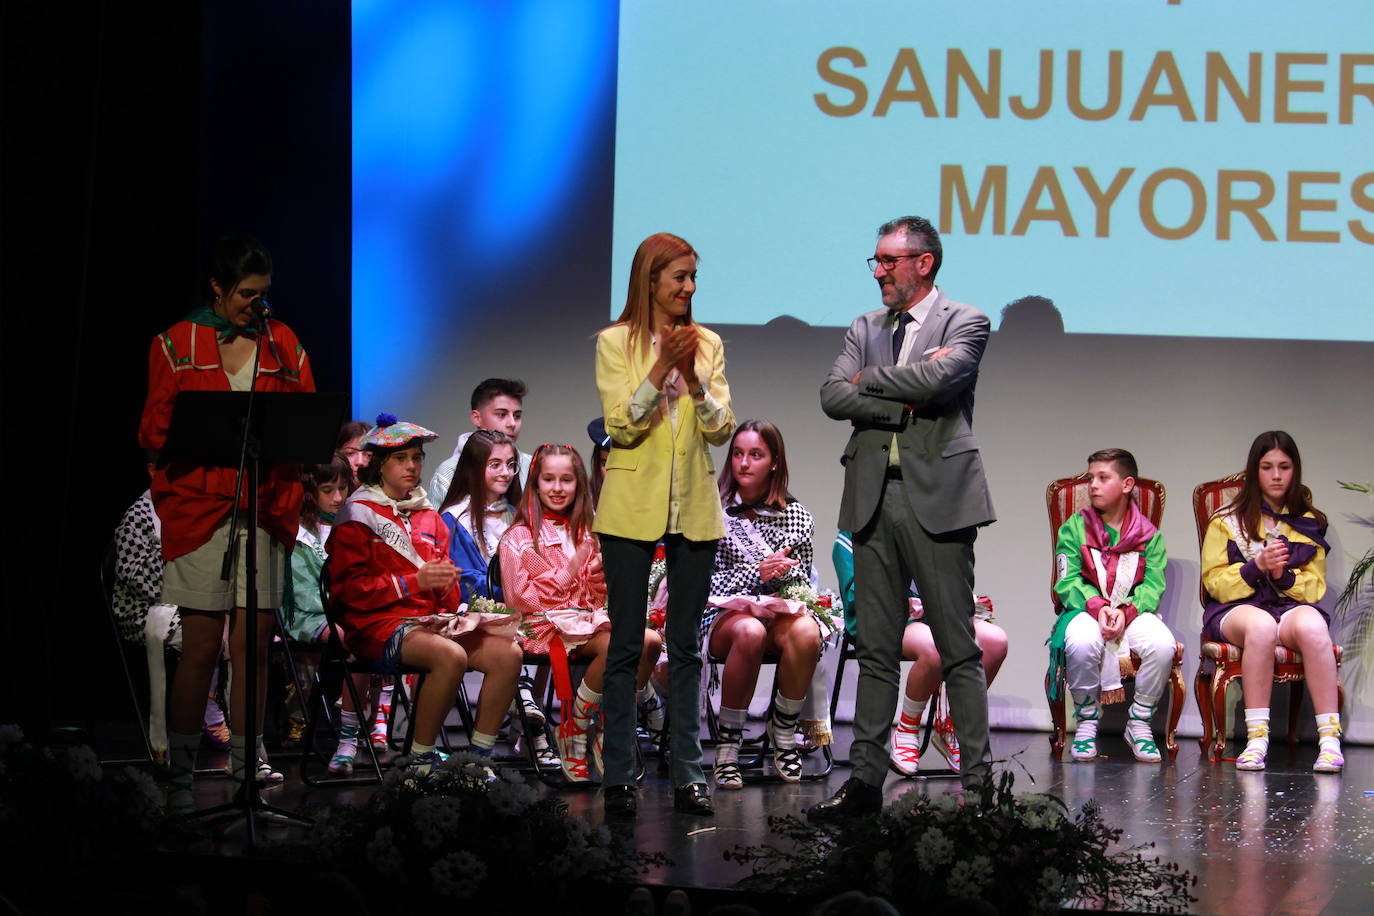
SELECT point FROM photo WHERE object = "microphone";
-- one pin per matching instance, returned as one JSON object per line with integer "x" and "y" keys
{"x": 262, "y": 310}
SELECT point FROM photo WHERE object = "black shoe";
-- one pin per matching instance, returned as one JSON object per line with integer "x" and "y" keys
{"x": 693, "y": 799}
{"x": 620, "y": 801}
{"x": 854, "y": 799}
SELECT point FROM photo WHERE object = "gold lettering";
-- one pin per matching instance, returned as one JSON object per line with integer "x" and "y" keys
{"x": 1285, "y": 85}
{"x": 1219, "y": 75}
{"x": 1350, "y": 88}
{"x": 1195, "y": 216}
{"x": 1102, "y": 200}
{"x": 958, "y": 69}
{"x": 1163, "y": 67}
{"x": 1042, "y": 105}
{"x": 1228, "y": 203}
{"x": 1359, "y": 193}
{"x": 907, "y": 63}
{"x": 992, "y": 189}
{"x": 825, "y": 66}
{"x": 1045, "y": 182}
{"x": 1298, "y": 205}
{"x": 1113, "y": 103}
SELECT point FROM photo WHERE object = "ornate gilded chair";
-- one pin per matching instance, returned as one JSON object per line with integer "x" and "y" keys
{"x": 1220, "y": 661}
{"x": 1063, "y": 498}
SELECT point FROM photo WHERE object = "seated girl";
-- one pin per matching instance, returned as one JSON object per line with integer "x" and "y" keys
{"x": 396, "y": 590}
{"x": 551, "y": 569}
{"x": 326, "y": 488}
{"x": 767, "y": 546}
{"x": 1264, "y": 569}
{"x": 487, "y": 468}
{"x": 918, "y": 646}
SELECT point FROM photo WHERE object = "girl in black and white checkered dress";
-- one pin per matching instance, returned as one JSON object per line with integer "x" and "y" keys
{"x": 767, "y": 546}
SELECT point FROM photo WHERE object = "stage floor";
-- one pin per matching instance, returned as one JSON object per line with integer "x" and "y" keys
{"x": 1281, "y": 841}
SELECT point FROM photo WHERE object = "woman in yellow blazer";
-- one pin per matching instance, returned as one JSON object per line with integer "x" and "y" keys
{"x": 665, "y": 399}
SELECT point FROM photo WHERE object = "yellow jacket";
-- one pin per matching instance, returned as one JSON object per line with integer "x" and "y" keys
{"x": 1226, "y": 580}
{"x": 646, "y": 457}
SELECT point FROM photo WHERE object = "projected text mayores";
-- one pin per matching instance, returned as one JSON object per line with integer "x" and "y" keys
{"x": 1228, "y": 201}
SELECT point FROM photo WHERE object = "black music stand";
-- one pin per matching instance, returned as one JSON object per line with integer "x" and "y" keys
{"x": 222, "y": 429}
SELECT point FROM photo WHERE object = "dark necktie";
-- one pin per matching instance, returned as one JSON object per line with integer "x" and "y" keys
{"x": 898, "y": 334}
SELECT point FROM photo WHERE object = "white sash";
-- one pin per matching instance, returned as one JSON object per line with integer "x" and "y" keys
{"x": 1125, "y": 574}
{"x": 740, "y": 530}
{"x": 390, "y": 533}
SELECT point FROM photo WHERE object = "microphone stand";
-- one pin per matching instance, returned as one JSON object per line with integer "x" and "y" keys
{"x": 248, "y": 800}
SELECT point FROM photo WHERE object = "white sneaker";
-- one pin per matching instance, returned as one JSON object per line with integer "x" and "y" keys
{"x": 1142, "y": 741}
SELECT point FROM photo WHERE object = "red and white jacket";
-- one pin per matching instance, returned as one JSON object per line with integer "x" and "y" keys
{"x": 192, "y": 501}
{"x": 375, "y": 553}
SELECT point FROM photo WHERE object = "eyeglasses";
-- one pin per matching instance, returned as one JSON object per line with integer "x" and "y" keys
{"x": 889, "y": 261}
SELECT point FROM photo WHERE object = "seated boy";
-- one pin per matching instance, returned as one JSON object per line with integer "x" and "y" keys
{"x": 1110, "y": 562}
{"x": 497, "y": 405}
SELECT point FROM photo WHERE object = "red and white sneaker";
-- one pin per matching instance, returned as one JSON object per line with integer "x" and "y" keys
{"x": 906, "y": 747}
{"x": 572, "y": 751}
{"x": 945, "y": 741}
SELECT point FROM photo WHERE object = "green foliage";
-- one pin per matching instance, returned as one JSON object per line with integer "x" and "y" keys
{"x": 1000, "y": 852}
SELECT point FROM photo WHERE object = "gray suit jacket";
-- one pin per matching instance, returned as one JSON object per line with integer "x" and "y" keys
{"x": 941, "y": 465}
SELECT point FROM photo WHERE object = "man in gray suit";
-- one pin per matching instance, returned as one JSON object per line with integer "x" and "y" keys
{"x": 914, "y": 498}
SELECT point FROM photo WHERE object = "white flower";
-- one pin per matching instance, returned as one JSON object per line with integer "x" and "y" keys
{"x": 935, "y": 851}
{"x": 146, "y": 789}
{"x": 511, "y": 797}
{"x": 458, "y": 874}
{"x": 968, "y": 877}
{"x": 1051, "y": 884}
{"x": 436, "y": 818}
{"x": 82, "y": 763}
{"x": 383, "y": 855}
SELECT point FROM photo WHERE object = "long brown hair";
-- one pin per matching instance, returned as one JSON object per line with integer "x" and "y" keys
{"x": 778, "y": 496}
{"x": 1298, "y": 499}
{"x": 470, "y": 481}
{"x": 653, "y": 254}
{"x": 531, "y": 512}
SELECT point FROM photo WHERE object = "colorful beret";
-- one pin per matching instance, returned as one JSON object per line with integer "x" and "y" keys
{"x": 392, "y": 433}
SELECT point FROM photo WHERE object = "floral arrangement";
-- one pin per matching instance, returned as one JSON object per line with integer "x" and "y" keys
{"x": 483, "y": 605}
{"x": 1353, "y": 620}
{"x": 63, "y": 813}
{"x": 824, "y": 606}
{"x": 1000, "y": 852}
{"x": 656, "y": 616}
{"x": 466, "y": 834}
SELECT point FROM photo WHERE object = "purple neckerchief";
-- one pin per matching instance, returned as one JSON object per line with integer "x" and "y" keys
{"x": 1309, "y": 528}
{"x": 1136, "y": 532}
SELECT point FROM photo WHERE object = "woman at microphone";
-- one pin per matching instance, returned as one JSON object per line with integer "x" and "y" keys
{"x": 226, "y": 344}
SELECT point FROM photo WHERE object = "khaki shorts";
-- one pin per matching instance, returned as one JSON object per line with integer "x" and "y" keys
{"x": 193, "y": 580}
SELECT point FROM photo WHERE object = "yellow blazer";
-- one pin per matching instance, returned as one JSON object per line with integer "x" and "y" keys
{"x": 646, "y": 456}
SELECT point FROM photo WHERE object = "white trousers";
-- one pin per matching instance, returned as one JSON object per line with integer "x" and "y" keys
{"x": 1147, "y": 636}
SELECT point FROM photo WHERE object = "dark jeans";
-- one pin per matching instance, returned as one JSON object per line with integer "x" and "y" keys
{"x": 627, "y": 565}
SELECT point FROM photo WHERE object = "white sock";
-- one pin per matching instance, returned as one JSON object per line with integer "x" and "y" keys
{"x": 1257, "y": 728}
{"x": 582, "y": 704}
{"x": 1329, "y": 731}
{"x": 1087, "y": 712}
{"x": 348, "y": 734}
{"x": 785, "y": 713}
{"x": 482, "y": 743}
{"x": 644, "y": 694}
{"x": 912, "y": 713}
{"x": 732, "y": 731}
{"x": 419, "y": 750}
{"x": 1140, "y": 709}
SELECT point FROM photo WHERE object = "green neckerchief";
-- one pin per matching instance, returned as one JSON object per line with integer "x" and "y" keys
{"x": 224, "y": 328}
